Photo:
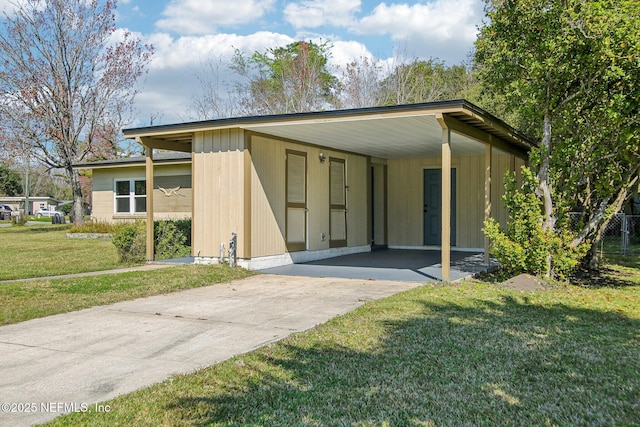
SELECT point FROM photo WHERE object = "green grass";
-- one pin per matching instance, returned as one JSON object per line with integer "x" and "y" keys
{"x": 38, "y": 251}
{"x": 22, "y": 301}
{"x": 468, "y": 354}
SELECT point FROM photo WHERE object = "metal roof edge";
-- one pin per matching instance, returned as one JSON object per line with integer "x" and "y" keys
{"x": 457, "y": 104}
{"x": 247, "y": 120}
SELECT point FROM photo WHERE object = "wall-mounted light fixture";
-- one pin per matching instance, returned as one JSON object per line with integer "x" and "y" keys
{"x": 322, "y": 157}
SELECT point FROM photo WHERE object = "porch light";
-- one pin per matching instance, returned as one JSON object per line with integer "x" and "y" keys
{"x": 322, "y": 157}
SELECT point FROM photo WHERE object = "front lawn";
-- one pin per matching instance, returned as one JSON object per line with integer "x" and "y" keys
{"x": 38, "y": 251}
{"x": 472, "y": 353}
{"x": 22, "y": 301}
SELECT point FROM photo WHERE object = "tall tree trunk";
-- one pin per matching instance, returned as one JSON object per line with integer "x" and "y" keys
{"x": 78, "y": 202}
{"x": 544, "y": 188}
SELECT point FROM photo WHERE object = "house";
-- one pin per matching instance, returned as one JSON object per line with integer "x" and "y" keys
{"x": 307, "y": 186}
{"x": 119, "y": 191}
{"x": 35, "y": 203}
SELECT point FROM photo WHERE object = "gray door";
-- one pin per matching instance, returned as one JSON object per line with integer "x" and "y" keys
{"x": 433, "y": 206}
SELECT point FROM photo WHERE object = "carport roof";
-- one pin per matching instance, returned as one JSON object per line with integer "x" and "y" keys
{"x": 386, "y": 132}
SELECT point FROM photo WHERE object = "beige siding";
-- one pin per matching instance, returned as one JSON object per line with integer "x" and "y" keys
{"x": 357, "y": 200}
{"x": 470, "y": 202}
{"x": 166, "y": 176}
{"x": 218, "y": 201}
{"x": 268, "y": 196}
{"x": 405, "y": 198}
{"x": 379, "y": 208}
{"x": 500, "y": 163}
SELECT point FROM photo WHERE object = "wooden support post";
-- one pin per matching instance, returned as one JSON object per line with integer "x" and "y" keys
{"x": 149, "y": 176}
{"x": 446, "y": 205}
{"x": 487, "y": 196}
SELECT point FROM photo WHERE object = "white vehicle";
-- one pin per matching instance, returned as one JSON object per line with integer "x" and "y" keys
{"x": 44, "y": 212}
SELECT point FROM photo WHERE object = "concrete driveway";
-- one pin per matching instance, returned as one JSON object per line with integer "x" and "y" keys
{"x": 66, "y": 362}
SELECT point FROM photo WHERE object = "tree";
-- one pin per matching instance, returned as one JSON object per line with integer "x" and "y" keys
{"x": 418, "y": 80}
{"x": 213, "y": 100}
{"x": 65, "y": 80}
{"x": 289, "y": 79}
{"x": 361, "y": 84}
{"x": 10, "y": 182}
{"x": 571, "y": 71}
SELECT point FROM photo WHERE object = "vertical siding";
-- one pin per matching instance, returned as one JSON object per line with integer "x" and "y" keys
{"x": 405, "y": 206}
{"x": 470, "y": 212}
{"x": 268, "y": 196}
{"x": 379, "y": 214}
{"x": 218, "y": 201}
{"x": 357, "y": 200}
{"x": 500, "y": 163}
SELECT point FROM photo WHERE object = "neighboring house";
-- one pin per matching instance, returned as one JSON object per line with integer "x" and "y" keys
{"x": 35, "y": 203}
{"x": 119, "y": 190}
{"x": 300, "y": 187}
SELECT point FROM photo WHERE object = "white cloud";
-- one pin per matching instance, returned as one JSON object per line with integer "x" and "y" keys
{"x": 204, "y": 17}
{"x": 317, "y": 13}
{"x": 171, "y": 82}
{"x": 442, "y": 19}
{"x": 440, "y": 28}
{"x": 11, "y": 6}
{"x": 187, "y": 51}
{"x": 343, "y": 52}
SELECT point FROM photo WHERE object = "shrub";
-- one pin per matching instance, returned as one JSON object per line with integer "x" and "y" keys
{"x": 130, "y": 240}
{"x": 170, "y": 239}
{"x": 95, "y": 227}
{"x": 526, "y": 247}
{"x": 66, "y": 208}
{"x": 184, "y": 226}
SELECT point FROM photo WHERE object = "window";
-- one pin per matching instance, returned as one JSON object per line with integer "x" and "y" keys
{"x": 131, "y": 196}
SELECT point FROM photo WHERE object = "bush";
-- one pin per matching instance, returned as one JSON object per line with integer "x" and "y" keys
{"x": 130, "y": 240}
{"x": 172, "y": 240}
{"x": 66, "y": 208}
{"x": 526, "y": 247}
{"x": 95, "y": 227}
{"x": 184, "y": 226}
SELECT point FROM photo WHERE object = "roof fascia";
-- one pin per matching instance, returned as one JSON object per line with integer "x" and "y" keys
{"x": 298, "y": 118}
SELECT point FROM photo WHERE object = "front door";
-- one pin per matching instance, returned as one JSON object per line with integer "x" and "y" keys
{"x": 433, "y": 207}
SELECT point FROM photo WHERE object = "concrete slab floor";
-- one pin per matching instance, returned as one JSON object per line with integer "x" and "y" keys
{"x": 389, "y": 264}
{"x": 62, "y": 362}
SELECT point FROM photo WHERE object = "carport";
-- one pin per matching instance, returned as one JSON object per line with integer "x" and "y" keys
{"x": 299, "y": 188}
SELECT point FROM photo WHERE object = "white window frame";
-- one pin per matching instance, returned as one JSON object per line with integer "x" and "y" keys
{"x": 131, "y": 196}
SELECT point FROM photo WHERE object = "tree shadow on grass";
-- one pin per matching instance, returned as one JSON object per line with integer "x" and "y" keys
{"x": 504, "y": 361}
{"x": 605, "y": 277}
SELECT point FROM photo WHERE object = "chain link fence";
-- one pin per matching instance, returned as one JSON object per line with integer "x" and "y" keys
{"x": 622, "y": 235}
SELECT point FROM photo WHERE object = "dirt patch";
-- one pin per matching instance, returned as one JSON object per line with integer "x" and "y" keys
{"x": 524, "y": 282}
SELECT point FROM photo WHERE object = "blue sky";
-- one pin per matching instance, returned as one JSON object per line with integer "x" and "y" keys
{"x": 186, "y": 33}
